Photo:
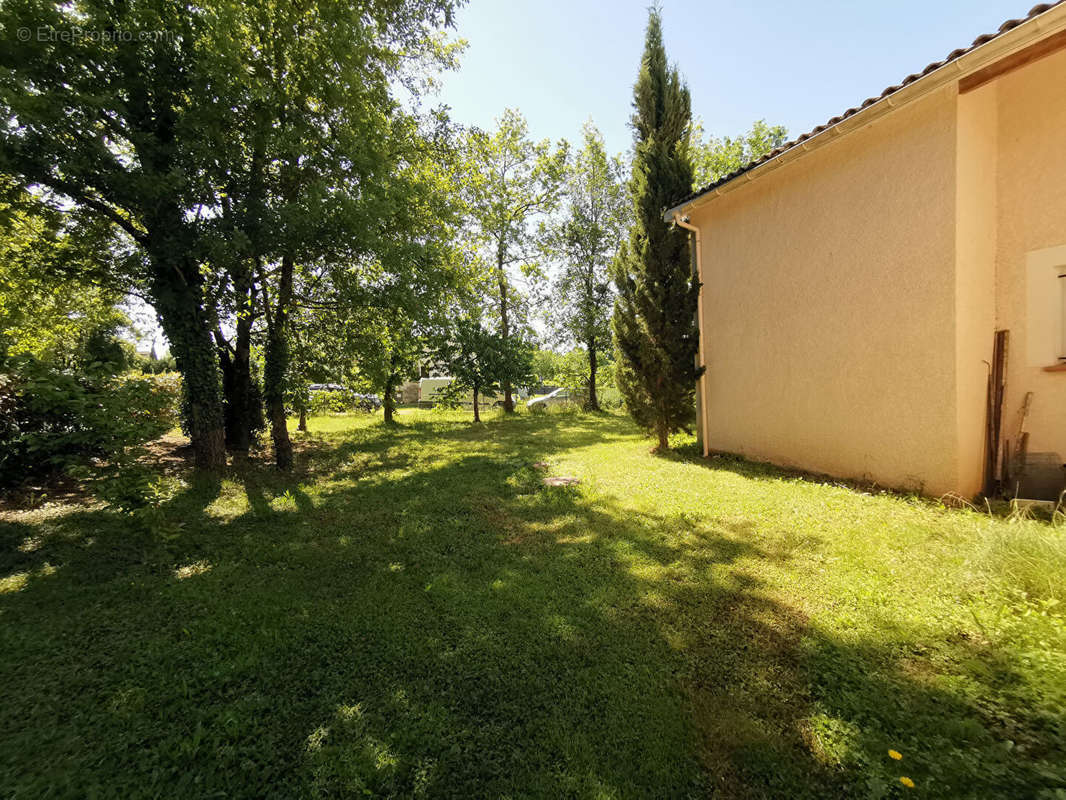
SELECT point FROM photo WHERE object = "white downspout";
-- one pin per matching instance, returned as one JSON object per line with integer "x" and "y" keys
{"x": 701, "y": 356}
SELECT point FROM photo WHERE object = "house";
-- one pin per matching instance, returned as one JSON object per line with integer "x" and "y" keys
{"x": 854, "y": 280}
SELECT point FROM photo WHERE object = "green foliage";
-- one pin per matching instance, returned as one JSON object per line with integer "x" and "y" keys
{"x": 655, "y": 331}
{"x": 50, "y": 307}
{"x": 52, "y": 420}
{"x": 419, "y": 281}
{"x": 115, "y": 130}
{"x": 572, "y": 371}
{"x": 340, "y": 401}
{"x": 584, "y": 240}
{"x": 330, "y": 402}
{"x": 713, "y": 158}
{"x": 233, "y": 144}
{"x": 544, "y": 364}
{"x": 125, "y": 483}
{"x": 512, "y": 182}
{"x": 483, "y": 361}
{"x": 153, "y": 366}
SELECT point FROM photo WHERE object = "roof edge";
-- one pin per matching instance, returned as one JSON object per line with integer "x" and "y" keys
{"x": 1012, "y": 35}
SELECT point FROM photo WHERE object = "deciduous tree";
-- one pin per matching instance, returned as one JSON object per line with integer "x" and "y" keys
{"x": 713, "y": 158}
{"x": 584, "y": 239}
{"x": 513, "y": 181}
{"x": 196, "y": 133}
{"x": 484, "y": 361}
{"x": 53, "y": 305}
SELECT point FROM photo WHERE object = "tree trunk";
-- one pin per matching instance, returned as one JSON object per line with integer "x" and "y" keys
{"x": 303, "y": 421}
{"x": 244, "y": 407}
{"x": 177, "y": 297}
{"x": 477, "y": 414}
{"x": 593, "y": 402}
{"x": 276, "y": 365}
{"x": 225, "y": 363}
{"x": 505, "y": 332}
{"x": 388, "y": 402}
{"x": 664, "y": 438}
{"x": 248, "y": 410}
{"x": 175, "y": 283}
{"x": 243, "y": 413}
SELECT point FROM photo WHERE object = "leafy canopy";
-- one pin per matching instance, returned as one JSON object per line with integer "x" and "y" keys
{"x": 50, "y": 306}
{"x": 583, "y": 240}
{"x": 713, "y": 158}
{"x": 511, "y": 183}
{"x": 483, "y": 361}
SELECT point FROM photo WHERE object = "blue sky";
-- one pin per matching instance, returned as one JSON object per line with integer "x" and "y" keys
{"x": 796, "y": 64}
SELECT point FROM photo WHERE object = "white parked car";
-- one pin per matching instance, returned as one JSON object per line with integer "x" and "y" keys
{"x": 559, "y": 397}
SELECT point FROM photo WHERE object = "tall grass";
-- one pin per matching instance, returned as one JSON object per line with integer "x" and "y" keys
{"x": 1028, "y": 556}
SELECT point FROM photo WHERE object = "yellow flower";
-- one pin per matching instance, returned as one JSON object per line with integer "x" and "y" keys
{"x": 907, "y": 782}
{"x": 895, "y": 754}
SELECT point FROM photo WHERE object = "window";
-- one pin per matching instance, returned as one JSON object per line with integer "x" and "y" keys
{"x": 1045, "y": 311}
{"x": 1062, "y": 315}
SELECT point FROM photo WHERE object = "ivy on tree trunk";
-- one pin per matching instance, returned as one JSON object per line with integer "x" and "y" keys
{"x": 178, "y": 299}
{"x": 276, "y": 365}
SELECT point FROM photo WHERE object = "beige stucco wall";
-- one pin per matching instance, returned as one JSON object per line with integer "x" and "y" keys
{"x": 975, "y": 276}
{"x": 1031, "y": 194}
{"x": 829, "y": 306}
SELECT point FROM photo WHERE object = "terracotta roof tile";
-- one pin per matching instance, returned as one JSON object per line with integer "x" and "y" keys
{"x": 954, "y": 54}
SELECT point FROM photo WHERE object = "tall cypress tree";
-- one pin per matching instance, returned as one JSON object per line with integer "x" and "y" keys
{"x": 655, "y": 332}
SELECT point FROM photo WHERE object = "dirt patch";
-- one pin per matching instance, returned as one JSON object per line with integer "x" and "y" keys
{"x": 561, "y": 480}
{"x": 57, "y": 489}
{"x": 171, "y": 452}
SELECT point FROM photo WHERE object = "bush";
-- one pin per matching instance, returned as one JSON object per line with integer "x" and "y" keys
{"x": 609, "y": 397}
{"x": 572, "y": 371}
{"x": 335, "y": 401}
{"x": 367, "y": 402}
{"x": 330, "y": 402}
{"x": 52, "y": 419}
{"x": 153, "y": 366}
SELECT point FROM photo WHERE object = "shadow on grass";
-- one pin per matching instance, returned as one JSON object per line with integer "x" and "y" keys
{"x": 413, "y": 614}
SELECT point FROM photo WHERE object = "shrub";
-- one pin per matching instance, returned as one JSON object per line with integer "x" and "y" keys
{"x": 609, "y": 397}
{"x": 335, "y": 401}
{"x": 52, "y": 419}
{"x": 330, "y": 402}
{"x": 153, "y": 366}
{"x": 366, "y": 402}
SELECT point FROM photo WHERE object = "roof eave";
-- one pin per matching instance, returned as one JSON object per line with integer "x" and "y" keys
{"x": 1002, "y": 45}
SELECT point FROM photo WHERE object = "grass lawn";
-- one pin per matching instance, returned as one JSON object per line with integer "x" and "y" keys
{"x": 413, "y": 615}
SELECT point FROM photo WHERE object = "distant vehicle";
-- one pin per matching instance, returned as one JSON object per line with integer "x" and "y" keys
{"x": 559, "y": 397}
{"x": 430, "y": 390}
{"x": 366, "y": 402}
{"x": 327, "y": 387}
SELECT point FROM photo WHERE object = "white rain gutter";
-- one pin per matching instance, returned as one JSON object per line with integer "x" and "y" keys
{"x": 701, "y": 355}
{"x": 1051, "y": 21}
